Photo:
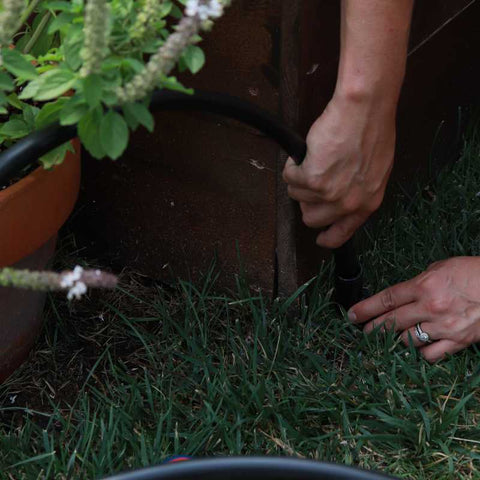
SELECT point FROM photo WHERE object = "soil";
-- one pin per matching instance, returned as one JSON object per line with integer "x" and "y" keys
{"x": 19, "y": 176}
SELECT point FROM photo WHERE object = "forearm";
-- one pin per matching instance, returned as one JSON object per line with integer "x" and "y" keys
{"x": 374, "y": 40}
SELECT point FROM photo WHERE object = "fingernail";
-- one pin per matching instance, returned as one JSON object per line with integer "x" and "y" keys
{"x": 351, "y": 316}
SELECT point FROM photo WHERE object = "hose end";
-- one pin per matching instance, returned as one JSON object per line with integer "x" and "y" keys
{"x": 349, "y": 291}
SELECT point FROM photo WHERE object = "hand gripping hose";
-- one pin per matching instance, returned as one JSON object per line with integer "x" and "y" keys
{"x": 348, "y": 282}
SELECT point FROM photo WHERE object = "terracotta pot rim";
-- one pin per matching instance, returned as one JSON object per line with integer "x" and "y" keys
{"x": 34, "y": 208}
{"x": 24, "y": 183}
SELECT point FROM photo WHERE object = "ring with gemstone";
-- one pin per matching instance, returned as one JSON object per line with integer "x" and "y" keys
{"x": 424, "y": 337}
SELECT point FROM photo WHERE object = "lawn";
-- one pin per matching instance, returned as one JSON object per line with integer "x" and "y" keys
{"x": 127, "y": 378}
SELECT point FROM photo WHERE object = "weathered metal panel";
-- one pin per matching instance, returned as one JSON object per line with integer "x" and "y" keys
{"x": 442, "y": 75}
{"x": 202, "y": 183}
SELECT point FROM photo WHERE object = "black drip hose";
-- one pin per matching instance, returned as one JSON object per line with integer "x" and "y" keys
{"x": 348, "y": 282}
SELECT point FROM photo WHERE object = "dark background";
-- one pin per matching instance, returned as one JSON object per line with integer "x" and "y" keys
{"x": 203, "y": 184}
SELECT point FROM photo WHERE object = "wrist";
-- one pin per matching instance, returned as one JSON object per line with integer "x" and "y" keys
{"x": 367, "y": 96}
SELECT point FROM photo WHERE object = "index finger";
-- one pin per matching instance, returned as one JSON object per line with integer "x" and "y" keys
{"x": 294, "y": 174}
{"x": 383, "y": 302}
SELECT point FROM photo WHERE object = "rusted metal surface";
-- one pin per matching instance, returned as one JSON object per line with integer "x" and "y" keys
{"x": 21, "y": 314}
{"x": 202, "y": 183}
{"x": 442, "y": 75}
{"x": 290, "y": 47}
{"x": 441, "y": 83}
{"x": 432, "y": 16}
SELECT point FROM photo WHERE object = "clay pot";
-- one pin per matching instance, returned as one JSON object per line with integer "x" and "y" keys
{"x": 31, "y": 213}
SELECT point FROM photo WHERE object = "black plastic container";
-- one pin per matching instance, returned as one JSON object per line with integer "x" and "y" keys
{"x": 251, "y": 468}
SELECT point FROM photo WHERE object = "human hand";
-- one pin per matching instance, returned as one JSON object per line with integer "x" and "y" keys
{"x": 342, "y": 180}
{"x": 445, "y": 300}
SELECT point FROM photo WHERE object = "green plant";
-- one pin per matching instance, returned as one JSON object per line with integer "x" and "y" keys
{"x": 94, "y": 63}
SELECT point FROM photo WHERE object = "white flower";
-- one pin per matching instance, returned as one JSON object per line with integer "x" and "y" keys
{"x": 69, "y": 279}
{"x": 77, "y": 291}
{"x": 204, "y": 10}
{"x": 72, "y": 281}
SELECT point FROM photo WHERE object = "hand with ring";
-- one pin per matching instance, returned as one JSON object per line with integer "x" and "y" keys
{"x": 439, "y": 310}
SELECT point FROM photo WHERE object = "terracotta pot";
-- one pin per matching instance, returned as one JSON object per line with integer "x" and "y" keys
{"x": 31, "y": 213}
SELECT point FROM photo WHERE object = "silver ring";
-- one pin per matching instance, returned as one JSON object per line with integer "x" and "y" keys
{"x": 424, "y": 337}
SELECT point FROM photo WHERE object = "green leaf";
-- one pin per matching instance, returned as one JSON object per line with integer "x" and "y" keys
{"x": 132, "y": 122}
{"x": 141, "y": 114}
{"x": 55, "y": 83}
{"x": 59, "y": 5}
{"x": 15, "y": 102}
{"x": 165, "y": 9}
{"x": 194, "y": 58}
{"x": 72, "y": 46}
{"x": 92, "y": 89}
{"x": 60, "y": 21}
{"x": 176, "y": 12}
{"x": 3, "y": 98}
{"x": 50, "y": 113}
{"x": 114, "y": 134}
{"x": 173, "y": 84}
{"x": 89, "y": 132}
{"x": 29, "y": 115}
{"x": 15, "y": 128}
{"x": 73, "y": 111}
{"x": 44, "y": 42}
{"x": 133, "y": 64}
{"x": 16, "y": 64}
{"x": 6, "y": 82}
{"x": 30, "y": 90}
{"x": 56, "y": 156}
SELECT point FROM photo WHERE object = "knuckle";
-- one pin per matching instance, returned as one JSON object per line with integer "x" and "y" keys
{"x": 390, "y": 321}
{"x": 450, "y": 324}
{"x": 342, "y": 233}
{"x": 435, "y": 265}
{"x": 329, "y": 242}
{"x": 468, "y": 338}
{"x": 331, "y": 195}
{"x": 387, "y": 299}
{"x": 350, "y": 204}
{"x": 316, "y": 182}
{"x": 438, "y": 305}
{"x": 308, "y": 219}
{"x": 429, "y": 284}
{"x": 309, "y": 216}
{"x": 287, "y": 172}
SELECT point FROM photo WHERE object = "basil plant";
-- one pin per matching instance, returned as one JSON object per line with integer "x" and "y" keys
{"x": 94, "y": 63}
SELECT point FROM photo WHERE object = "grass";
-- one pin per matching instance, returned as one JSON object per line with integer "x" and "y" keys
{"x": 128, "y": 378}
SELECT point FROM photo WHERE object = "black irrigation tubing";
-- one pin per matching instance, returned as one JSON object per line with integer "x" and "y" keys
{"x": 251, "y": 468}
{"x": 348, "y": 283}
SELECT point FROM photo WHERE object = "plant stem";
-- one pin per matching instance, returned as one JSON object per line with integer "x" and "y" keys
{"x": 28, "y": 11}
{"x": 36, "y": 34}
{"x": 50, "y": 281}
